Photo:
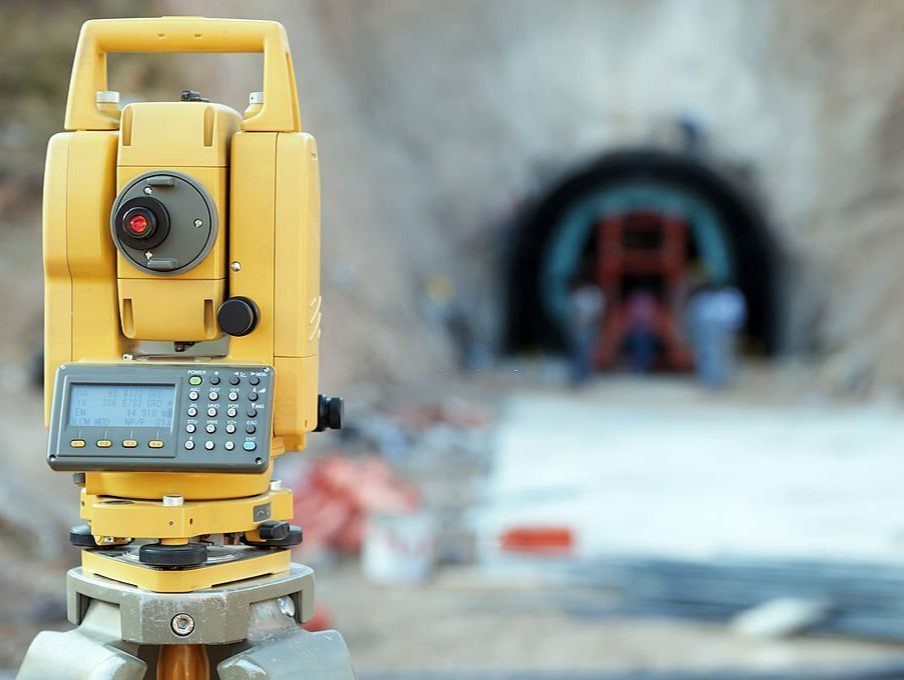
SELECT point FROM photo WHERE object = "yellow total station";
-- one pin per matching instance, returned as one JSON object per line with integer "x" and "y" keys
{"x": 182, "y": 310}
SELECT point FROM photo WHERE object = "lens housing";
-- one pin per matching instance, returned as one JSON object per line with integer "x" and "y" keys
{"x": 142, "y": 222}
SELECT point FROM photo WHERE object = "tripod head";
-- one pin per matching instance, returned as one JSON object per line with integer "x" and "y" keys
{"x": 182, "y": 303}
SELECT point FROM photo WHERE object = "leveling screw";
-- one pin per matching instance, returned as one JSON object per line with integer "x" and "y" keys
{"x": 182, "y": 625}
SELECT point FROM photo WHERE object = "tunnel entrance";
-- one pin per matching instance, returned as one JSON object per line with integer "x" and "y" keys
{"x": 640, "y": 220}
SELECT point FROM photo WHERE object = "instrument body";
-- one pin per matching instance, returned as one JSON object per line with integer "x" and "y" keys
{"x": 182, "y": 293}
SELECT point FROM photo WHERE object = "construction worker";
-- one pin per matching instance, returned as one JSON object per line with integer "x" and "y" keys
{"x": 715, "y": 316}
{"x": 640, "y": 339}
{"x": 585, "y": 317}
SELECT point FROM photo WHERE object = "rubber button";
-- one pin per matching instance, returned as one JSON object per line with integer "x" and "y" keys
{"x": 230, "y": 428}
{"x": 249, "y": 446}
{"x": 211, "y": 428}
{"x": 104, "y": 443}
{"x": 209, "y": 445}
{"x": 189, "y": 445}
{"x": 251, "y": 429}
{"x": 233, "y": 396}
{"x": 190, "y": 428}
{"x": 231, "y": 412}
{"x": 155, "y": 444}
{"x": 195, "y": 380}
{"x": 234, "y": 380}
{"x": 253, "y": 396}
{"x": 229, "y": 446}
{"x": 129, "y": 443}
{"x": 212, "y": 412}
{"x": 252, "y": 413}
{"x": 193, "y": 395}
{"x": 214, "y": 380}
{"x": 213, "y": 396}
{"x": 77, "y": 443}
{"x": 192, "y": 411}
{"x": 255, "y": 380}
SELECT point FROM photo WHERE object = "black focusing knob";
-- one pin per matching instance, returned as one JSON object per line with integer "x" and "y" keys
{"x": 238, "y": 316}
{"x": 329, "y": 413}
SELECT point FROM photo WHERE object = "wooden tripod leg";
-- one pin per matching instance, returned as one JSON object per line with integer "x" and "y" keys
{"x": 183, "y": 662}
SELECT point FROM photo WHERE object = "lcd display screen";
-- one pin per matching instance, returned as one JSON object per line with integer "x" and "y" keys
{"x": 97, "y": 405}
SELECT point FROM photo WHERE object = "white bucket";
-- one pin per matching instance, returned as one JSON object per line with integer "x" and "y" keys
{"x": 398, "y": 547}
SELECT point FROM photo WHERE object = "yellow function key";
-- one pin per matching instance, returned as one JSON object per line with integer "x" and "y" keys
{"x": 129, "y": 443}
{"x": 104, "y": 443}
{"x": 77, "y": 443}
{"x": 155, "y": 444}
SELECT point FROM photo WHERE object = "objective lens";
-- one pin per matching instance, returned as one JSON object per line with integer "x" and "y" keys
{"x": 139, "y": 223}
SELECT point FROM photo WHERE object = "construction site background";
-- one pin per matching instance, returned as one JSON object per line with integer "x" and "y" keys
{"x": 435, "y": 122}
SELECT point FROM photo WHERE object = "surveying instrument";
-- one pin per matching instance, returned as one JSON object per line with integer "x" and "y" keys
{"x": 182, "y": 323}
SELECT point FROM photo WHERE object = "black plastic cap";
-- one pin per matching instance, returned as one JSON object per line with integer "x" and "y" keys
{"x": 273, "y": 530}
{"x": 330, "y": 411}
{"x": 238, "y": 316}
{"x": 191, "y": 96}
{"x": 188, "y": 555}
{"x": 81, "y": 537}
{"x": 290, "y": 536}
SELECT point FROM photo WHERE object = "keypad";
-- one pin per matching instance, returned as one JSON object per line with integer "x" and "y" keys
{"x": 236, "y": 428}
{"x": 221, "y": 420}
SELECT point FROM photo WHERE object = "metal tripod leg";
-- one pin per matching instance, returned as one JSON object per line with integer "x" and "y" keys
{"x": 251, "y": 628}
{"x": 277, "y": 649}
{"x": 93, "y": 651}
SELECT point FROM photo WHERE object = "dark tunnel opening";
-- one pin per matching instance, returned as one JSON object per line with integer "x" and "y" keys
{"x": 728, "y": 236}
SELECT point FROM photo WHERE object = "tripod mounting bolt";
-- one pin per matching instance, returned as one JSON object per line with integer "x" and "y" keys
{"x": 182, "y": 625}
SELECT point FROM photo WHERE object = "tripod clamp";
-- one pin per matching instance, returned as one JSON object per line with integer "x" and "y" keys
{"x": 254, "y": 624}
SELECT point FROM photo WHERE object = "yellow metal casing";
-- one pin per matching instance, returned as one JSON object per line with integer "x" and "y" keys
{"x": 182, "y": 34}
{"x": 194, "y": 138}
{"x": 151, "y": 519}
{"x": 81, "y": 318}
{"x": 262, "y": 174}
{"x": 184, "y": 580}
{"x": 275, "y": 180}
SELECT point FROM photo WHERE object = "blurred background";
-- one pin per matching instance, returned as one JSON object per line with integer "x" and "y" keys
{"x": 611, "y": 290}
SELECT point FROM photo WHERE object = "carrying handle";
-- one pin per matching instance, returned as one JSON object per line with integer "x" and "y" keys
{"x": 182, "y": 34}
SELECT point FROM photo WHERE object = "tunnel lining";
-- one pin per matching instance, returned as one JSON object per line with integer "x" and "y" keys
{"x": 531, "y": 322}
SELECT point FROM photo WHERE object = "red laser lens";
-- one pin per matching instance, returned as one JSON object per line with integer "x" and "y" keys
{"x": 138, "y": 224}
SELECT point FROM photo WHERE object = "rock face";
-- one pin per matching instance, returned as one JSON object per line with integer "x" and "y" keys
{"x": 431, "y": 116}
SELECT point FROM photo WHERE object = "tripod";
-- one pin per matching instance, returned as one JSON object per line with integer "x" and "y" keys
{"x": 246, "y": 631}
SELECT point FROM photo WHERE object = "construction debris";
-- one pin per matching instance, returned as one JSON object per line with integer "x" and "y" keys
{"x": 851, "y": 599}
